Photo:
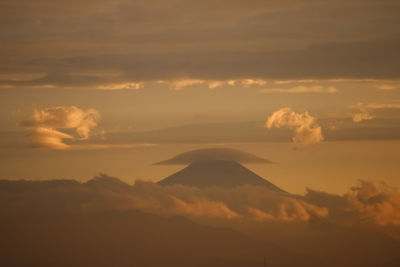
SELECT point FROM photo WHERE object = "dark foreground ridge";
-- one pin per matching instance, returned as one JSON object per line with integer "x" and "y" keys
{"x": 223, "y": 173}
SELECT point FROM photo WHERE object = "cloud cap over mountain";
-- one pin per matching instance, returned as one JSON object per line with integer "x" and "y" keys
{"x": 214, "y": 154}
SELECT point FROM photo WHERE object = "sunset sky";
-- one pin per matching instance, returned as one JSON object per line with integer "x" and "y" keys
{"x": 96, "y": 86}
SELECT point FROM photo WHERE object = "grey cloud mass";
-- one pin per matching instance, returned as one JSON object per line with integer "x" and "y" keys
{"x": 92, "y": 43}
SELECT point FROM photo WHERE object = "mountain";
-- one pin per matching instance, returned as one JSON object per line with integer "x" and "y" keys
{"x": 224, "y": 173}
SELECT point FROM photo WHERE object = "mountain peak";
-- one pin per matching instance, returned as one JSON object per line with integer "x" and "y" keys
{"x": 222, "y": 173}
{"x": 217, "y": 153}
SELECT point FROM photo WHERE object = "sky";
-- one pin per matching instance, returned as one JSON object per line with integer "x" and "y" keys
{"x": 115, "y": 86}
{"x": 100, "y": 100}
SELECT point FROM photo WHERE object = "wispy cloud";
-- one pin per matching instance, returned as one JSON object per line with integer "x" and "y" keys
{"x": 387, "y": 87}
{"x": 365, "y": 111}
{"x": 301, "y": 90}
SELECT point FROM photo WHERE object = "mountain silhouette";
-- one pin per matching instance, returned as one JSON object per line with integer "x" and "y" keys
{"x": 224, "y": 173}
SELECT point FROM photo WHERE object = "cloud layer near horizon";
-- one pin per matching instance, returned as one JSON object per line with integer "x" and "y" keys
{"x": 368, "y": 203}
{"x": 98, "y": 215}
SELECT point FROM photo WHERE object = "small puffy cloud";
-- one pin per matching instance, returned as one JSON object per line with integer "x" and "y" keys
{"x": 44, "y": 125}
{"x": 306, "y": 130}
{"x": 362, "y": 116}
{"x": 214, "y": 154}
{"x": 301, "y": 90}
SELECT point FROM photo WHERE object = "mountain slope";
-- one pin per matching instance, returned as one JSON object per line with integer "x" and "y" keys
{"x": 223, "y": 173}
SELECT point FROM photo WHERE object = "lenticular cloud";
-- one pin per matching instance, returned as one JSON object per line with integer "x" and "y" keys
{"x": 44, "y": 125}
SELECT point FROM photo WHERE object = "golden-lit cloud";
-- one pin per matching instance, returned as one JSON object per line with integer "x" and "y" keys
{"x": 378, "y": 203}
{"x": 121, "y": 86}
{"x": 375, "y": 204}
{"x": 306, "y": 130}
{"x": 202, "y": 207}
{"x": 249, "y": 82}
{"x": 182, "y": 83}
{"x": 300, "y": 89}
{"x": 289, "y": 210}
{"x": 44, "y": 125}
{"x": 387, "y": 87}
{"x": 179, "y": 84}
{"x": 365, "y": 111}
{"x": 43, "y": 137}
{"x": 362, "y": 115}
{"x": 215, "y": 84}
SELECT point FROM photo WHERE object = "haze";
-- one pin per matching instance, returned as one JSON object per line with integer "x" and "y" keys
{"x": 303, "y": 94}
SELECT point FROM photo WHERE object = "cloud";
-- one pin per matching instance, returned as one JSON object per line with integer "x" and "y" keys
{"x": 387, "y": 87}
{"x": 106, "y": 208}
{"x": 260, "y": 40}
{"x": 179, "y": 84}
{"x": 365, "y": 111}
{"x": 214, "y": 154}
{"x": 373, "y": 204}
{"x": 362, "y": 116}
{"x": 301, "y": 90}
{"x": 202, "y": 208}
{"x": 378, "y": 203}
{"x": 215, "y": 84}
{"x": 289, "y": 210}
{"x": 121, "y": 86}
{"x": 44, "y": 123}
{"x": 249, "y": 82}
{"x": 306, "y": 130}
{"x": 42, "y": 137}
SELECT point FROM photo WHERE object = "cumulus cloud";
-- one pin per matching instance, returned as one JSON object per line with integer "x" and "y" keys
{"x": 44, "y": 123}
{"x": 214, "y": 154}
{"x": 374, "y": 202}
{"x": 301, "y": 90}
{"x": 306, "y": 130}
